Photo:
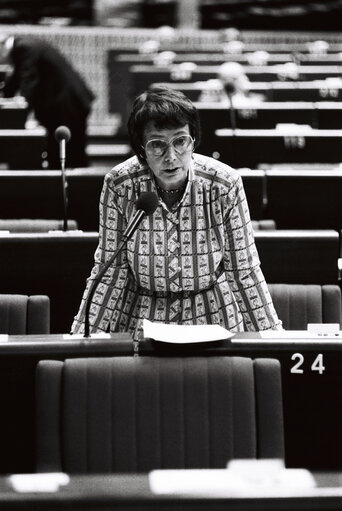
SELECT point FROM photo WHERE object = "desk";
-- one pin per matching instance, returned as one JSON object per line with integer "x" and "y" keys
{"x": 266, "y": 115}
{"x": 312, "y": 389}
{"x": 39, "y": 194}
{"x": 13, "y": 113}
{"x": 299, "y": 256}
{"x": 58, "y": 263}
{"x": 144, "y": 75}
{"x": 250, "y": 148}
{"x": 316, "y": 90}
{"x": 18, "y": 359}
{"x": 128, "y": 492}
{"x": 22, "y": 148}
{"x": 304, "y": 199}
{"x": 120, "y": 77}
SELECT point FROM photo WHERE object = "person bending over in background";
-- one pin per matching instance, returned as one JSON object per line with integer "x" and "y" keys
{"x": 194, "y": 261}
{"x": 54, "y": 91}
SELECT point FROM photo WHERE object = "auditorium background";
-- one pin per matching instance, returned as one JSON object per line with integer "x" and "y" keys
{"x": 286, "y": 143}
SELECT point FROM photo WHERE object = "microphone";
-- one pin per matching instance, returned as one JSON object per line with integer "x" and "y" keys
{"x": 146, "y": 205}
{"x": 63, "y": 135}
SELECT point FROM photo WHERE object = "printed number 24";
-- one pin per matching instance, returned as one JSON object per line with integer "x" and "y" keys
{"x": 317, "y": 364}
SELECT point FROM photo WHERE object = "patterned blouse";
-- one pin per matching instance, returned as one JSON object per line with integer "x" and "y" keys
{"x": 194, "y": 264}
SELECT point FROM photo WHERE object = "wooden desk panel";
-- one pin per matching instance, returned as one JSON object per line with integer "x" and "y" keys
{"x": 304, "y": 199}
{"x": 39, "y": 194}
{"x": 22, "y": 148}
{"x": 250, "y": 148}
{"x": 56, "y": 264}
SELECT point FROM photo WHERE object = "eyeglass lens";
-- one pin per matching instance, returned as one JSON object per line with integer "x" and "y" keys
{"x": 158, "y": 147}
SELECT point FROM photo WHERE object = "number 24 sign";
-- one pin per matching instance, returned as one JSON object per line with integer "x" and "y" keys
{"x": 317, "y": 364}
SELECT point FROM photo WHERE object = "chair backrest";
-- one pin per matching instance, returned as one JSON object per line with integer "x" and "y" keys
{"x": 300, "y": 304}
{"x": 35, "y": 225}
{"x": 132, "y": 414}
{"x": 22, "y": 314}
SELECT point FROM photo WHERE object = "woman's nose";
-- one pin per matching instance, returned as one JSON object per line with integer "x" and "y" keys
{"x": 170, "y": 153}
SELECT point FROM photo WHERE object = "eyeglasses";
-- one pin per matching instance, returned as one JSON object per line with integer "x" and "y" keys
{"x": 157, "y": 147}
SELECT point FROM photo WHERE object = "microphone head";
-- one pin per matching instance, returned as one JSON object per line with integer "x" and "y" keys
{"x": 62, "y": 133}
{"x": 147, "y": 202}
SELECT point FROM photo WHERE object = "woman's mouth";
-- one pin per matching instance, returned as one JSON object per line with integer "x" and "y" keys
{"x": 170, "y": 171}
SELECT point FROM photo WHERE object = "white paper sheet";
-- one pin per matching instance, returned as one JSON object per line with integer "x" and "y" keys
{"x": 231, "y": 483}
{"x": 48, "y": 482}
{"x": 184, "y": 334}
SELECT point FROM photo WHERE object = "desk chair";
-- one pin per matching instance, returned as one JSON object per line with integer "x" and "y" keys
{"x": 21, "y": 314}
{"x": 300, "y": 304}
{"x": 131, "y": 414}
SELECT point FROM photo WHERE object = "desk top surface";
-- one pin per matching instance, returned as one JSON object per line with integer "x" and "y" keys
{"x": 134, "y": 492}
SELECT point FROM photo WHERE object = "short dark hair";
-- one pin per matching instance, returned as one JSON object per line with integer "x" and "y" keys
{"x": 167, "y": 108}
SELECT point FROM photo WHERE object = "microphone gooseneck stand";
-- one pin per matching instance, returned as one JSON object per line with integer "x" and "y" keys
{"x": 62, "y": 135}
{"x": 146, "y": 205}
{"x": 96, "y": 282}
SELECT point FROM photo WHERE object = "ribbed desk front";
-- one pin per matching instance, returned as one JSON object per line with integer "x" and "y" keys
{"x": 312, "y": 388}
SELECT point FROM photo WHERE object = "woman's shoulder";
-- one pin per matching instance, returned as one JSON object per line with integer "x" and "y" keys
{"x": 126, "y": 173}
{"x": 215, "y": 171}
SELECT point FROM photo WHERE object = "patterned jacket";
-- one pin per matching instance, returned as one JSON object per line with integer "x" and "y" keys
{"x": 195, "y": 264}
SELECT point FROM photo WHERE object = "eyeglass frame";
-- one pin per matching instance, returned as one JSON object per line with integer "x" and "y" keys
{"x": 168, "y": 144}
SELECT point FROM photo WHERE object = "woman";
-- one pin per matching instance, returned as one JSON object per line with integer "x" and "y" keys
{"x": 193, "y": 261}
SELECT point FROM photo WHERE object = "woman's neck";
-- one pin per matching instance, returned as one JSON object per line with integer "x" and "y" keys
{"x": 171, "y": 197}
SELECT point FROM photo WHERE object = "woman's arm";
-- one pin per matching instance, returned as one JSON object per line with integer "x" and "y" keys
{"x": 112, "y": 225}
{"x": 242, "y": 265}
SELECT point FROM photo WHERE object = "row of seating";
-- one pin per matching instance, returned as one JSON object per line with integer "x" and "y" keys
{"x": 296, "y": 305}
{"x": 309, "y": 379}
{"x": 267, "y": 115}
{"x": 329, "y": 89}
{"x": 309, "y": 199}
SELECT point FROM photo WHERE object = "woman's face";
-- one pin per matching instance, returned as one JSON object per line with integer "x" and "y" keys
{"x": 169, "y": 168}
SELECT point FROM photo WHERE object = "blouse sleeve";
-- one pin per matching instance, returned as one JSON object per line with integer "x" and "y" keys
{"x": 111, "y": 226}
{"x": 242, "y": 264}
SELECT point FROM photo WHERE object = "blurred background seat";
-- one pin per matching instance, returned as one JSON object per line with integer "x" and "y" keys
{"x": 21, "y": 314}
{"x": 300, "y": 304}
